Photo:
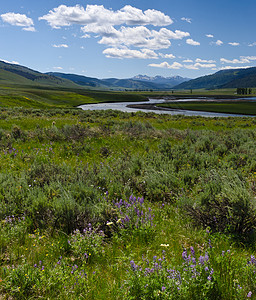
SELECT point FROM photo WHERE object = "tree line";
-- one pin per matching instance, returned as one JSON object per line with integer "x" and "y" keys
{"x": 244, "y": 91}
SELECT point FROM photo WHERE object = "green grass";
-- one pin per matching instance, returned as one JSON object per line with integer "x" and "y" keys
{"x": 64, "y": 169}
{"x": 237, "y": 107}
{"x": 54, "y": 97}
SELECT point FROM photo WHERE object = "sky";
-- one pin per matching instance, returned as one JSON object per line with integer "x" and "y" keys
{"x": 121, "y": 39}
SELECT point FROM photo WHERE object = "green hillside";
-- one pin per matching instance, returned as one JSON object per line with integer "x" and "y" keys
{"x": 85, "y": 81}
{"x": 16, "y": 74}
{"x": 223, "y": 79}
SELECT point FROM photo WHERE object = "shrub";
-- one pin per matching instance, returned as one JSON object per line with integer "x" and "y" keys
{"x": 226, "y": 204}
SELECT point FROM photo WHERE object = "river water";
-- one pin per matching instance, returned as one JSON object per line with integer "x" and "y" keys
{"x": 122, "y": 106}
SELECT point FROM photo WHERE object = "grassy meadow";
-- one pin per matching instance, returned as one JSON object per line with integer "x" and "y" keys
{"x": 236, "y": 107}
{"x": 111, "y": 205}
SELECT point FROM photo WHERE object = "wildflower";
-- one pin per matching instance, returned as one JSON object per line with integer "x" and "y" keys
{"x": 109, "y": 223}
{"x": 184, "y": 254}
{"x": 133, "y": 265}
{"x": 206, "y": 257}
{"x": 192, "y": 251}
{"x": 201, "y": 260}
{"x": 249, "y": 294}
{"x": 164, "y": 245}
{"x": 163, "y": 288}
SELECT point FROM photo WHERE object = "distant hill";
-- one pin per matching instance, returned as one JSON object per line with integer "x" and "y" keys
{"x": 133, "y": 84}
{"x": 168, "y": 82}
{"x": 232, "y": 78}
{"x": 110, "y": 83}
{"x": 81, "y": 80}
{"x": 17, "y": 74}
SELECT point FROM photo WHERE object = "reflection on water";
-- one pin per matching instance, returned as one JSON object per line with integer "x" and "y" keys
{"x": 122, "y": 106}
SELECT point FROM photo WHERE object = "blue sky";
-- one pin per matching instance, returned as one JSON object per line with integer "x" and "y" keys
{"x": 122, "y": 39}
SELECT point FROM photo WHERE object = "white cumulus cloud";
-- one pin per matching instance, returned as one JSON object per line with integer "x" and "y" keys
{"x": 171, "y": 56}
{"x": 248, "y": 57}
{"x": 188, "y": 20}
{"x": 199, "y": 60}
{"x": 188, "y": 61}
{"x": 232, "y": 67}
{"x": 128, "y": 53}
{"x": 209, "y": 35}
{"x": 235, "y": 61}
{"x": 217, "y": 43}
{"x": 192, "y": 42}
{"x": 32, "y": 29}
{"x": 98, "y": 14}
{"x": 165, "y": 65}
{"x": 199, "y": 65}
{"x": 60, "y": 46}
{"x": 234, "y": 44}
{"x": 18, "y": 20}
{"x": 139, "y": 36}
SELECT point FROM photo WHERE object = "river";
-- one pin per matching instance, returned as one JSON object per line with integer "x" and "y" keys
{"x": 124, "y": 106}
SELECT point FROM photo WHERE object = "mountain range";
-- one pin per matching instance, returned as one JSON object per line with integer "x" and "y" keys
{"x": 139, "y": 82}
{"x": 15, "y": 74}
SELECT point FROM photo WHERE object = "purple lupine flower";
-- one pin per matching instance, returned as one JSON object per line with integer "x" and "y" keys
{"x": 147, "y": 271}
{"x": 184, "y": 254}
{"x": 163, "y": 288}
{"x": 192, "y": 251}
{"x": 249, "y": 294}
{"x": 253, "y": 260}
{"x": 133, "y": 265}
{"x": 206, "y": 257}
{"x": 201, "y": 260}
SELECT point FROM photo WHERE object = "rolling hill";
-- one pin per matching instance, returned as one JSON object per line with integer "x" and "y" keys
{"x": 17, "y": 74}
{"x": 232, "y": 78}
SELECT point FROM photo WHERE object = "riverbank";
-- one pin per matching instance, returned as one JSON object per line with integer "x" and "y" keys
{"x": 216, "y": 104}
